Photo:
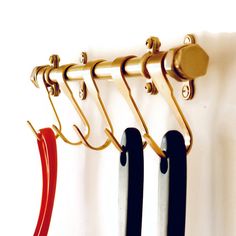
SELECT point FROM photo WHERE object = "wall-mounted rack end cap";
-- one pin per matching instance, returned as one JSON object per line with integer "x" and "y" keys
{"x": 186, "y": 63}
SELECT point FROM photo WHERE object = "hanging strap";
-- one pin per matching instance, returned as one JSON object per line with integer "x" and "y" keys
{"x": 48, "y": 153}
{"x": 172, "y": 185}
{"x": 131, "y": 183}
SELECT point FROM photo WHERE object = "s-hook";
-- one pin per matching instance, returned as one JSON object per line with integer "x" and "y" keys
{"x": 50, "y": 89}
{"x": 118, "y": 76}
{"x": 62, "y": 80}
{"x": 177, "y": 63}
{"x": 88, "y": 76}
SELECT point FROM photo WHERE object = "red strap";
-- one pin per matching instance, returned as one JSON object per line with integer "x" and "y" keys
{"x": 48, "y": 153}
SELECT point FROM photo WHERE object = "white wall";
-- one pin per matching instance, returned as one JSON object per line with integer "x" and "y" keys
{"x": 86, "y": 197}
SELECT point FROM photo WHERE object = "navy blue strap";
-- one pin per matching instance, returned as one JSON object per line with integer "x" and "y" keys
{"x": 131, "y": 172}
{"x": 173, "y": 174}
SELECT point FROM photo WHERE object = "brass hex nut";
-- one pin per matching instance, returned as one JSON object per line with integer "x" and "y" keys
{"x": 190, "y": 61}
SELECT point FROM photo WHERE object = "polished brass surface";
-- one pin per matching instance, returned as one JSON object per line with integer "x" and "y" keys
{"x": 82, "y": 85}
{"x": 154, "y": 44}
{"x": 188, "y": 89}
{"x": 188, "y": 86}
{"x": 53, "y": 85}
{"x": 35, "y": 80}
{"x": 54, "y": 60}
{"x": 188, "y": 56}
{"x": 189, "y": 38}
{"x": 82, "y": 90}
{"x": 64, "y": 86}
{"x": 183, "y": 63}
{"x": 151, "y": 88}
{"x": 164, "y": 87}
{"x": 113, "y": 139}
{"x": 33, "y": 130}
{"x": 94, "y": 91}
{"x": 186, "y": 63}
{"x": 83, "y": 58}
{"x": 123, "y": 87}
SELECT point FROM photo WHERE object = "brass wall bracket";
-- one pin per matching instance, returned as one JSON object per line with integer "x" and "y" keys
{"x": 82, "y": 85}
{"x": 188, "y": 86}
{"x": 153, "y": 44}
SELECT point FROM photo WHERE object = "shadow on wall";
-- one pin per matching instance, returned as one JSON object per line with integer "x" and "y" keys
{"x": 218, "y": 89}
{"x": 215, "y": 104}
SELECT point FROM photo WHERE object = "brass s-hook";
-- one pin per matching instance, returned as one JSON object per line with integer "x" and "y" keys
{"x": 62, "y": 80}
{"x": 123, "y": 87}
{"x": 88, "y": 76}
{"x": 164, "y": 87}
{"x": 184, "y": 63}
{"x": 48, "y": 89}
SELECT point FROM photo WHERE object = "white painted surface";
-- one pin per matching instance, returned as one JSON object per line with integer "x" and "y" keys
{"x": 86, "y": 198}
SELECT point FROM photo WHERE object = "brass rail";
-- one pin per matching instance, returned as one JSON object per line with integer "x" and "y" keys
{"x": 183, "y": 63}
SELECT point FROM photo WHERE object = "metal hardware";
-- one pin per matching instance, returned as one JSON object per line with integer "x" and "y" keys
{"x": 183, "y": 63}
{"x": 93, "y": 88}
{"x": 54, "y": 88}
{"x": 151, "y": 88}
{"x": 82, "y": 85}
{"x": 54, "y": 60}
{"x": 153, "y": 44}
{"x": 33, "y": 129}
{"x": 121, "y": 83}
{"x": 83, "y": 58}
{"x": 159, "y": 78}
{"x": 188, "y": 89}
{"x": 35, "y": 78}
{"x": 62, "y": 82}
{"x": 188, "y": 86}
{"x": 82, "y": 90}
{"x": 113, "y": 140}
{"x": 189, "y": 38}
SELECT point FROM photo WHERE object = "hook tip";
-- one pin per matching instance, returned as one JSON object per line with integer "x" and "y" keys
{"x": 33, "y": 129}
{"x": 113, "y": 139}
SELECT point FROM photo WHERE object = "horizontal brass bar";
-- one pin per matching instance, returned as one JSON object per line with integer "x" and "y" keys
{"x": 102, "y": 71}
{"x": 182, "y": 63}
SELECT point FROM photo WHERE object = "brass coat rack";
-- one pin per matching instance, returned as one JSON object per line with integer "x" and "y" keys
{"x": 183, "y": 63}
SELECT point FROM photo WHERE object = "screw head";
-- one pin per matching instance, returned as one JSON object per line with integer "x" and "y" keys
{"x": 54, "y": 60}
{"x": 82, "y": 91}
{"x": 83, "y": 58}
{"x": 186, "y": 91}
{"x": 189, "y": 38}
{"x": 153, "y": 44}
{"x": 151, "y": 88}
{"x": 148, "y": 87}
